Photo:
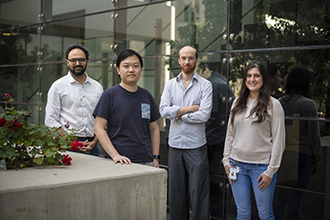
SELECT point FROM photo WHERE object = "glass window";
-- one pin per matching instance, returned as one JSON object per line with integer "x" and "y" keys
{"x": 21, "y": 46}
{"x": 60, "y": 9}
{"x": 101, "y": 72}
{"x": 22, "y": 82}
{"x": 19, "y": 13}
{"x": 9, "y": 82}
{"x": 201, "y": 24}
{"x": 267, "y": 24}
{"x": 144, "y": 29}
{"x": 96, "y": 36}
{"x": 212, "y": 25}
{"x": 51, "y": 73}
{"x": 129, "y": 3}
{"x": 28, "y": 84}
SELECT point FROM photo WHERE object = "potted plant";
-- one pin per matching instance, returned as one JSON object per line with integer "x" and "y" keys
{"x": 24, "y": 144}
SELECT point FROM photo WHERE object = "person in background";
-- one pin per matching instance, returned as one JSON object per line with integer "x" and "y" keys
{"x": 302, "y": 156}
{"x": 254, "y": 143}
{"x": 187, "y": 102}
{"x": 274, "y": 79}
{"x": 216, "y": 126}
{"x": 72, "y": 99}
{"x": 129, "y": 113}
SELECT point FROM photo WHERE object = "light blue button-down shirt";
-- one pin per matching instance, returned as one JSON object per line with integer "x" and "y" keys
{"x": 188, "y": 132}
{"x": 70, "y": 105}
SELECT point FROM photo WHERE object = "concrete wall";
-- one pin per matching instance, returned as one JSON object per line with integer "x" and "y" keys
{"x": 90, "y": 188}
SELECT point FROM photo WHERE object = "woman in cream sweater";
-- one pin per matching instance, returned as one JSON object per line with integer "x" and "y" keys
{"x": 254, "y": 143}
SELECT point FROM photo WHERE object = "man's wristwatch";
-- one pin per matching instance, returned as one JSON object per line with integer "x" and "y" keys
{"x": 156, "y": 156}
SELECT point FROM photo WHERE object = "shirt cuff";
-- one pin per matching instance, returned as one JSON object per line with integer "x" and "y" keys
{"x": 270, "y": 172}
{"x": 225, "y": 162}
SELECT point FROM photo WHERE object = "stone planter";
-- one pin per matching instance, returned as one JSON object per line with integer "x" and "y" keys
{"x": 90, "y": 188}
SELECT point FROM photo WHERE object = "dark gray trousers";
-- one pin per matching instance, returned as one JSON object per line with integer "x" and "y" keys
{"x": 188, "y": 172}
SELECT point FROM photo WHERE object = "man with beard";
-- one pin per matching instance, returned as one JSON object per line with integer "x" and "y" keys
{"x": 71, "y": 101}
{"x": 187, "y": 102}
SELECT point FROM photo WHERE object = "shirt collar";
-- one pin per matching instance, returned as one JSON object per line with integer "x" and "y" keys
{"x": 196, "y": 77}
{"x": 72, "y": 80}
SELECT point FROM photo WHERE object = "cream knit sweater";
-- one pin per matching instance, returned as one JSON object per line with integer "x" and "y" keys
{"x": 259, "y": 143}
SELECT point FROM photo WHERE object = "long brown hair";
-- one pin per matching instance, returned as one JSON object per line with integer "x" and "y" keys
{"x": 264, "y": 98}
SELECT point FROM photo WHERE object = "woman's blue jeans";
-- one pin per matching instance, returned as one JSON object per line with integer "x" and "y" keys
{"x": 241, "y": 188}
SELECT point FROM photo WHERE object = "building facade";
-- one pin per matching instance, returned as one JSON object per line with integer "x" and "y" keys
{"x": 34, "y": 35}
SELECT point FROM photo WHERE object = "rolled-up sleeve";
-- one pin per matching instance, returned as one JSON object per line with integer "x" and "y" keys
{"x": 187, "y": 131}
{"x": 204, "y": 112}
{"x": 166, "y": 109}
{"x": 53, "y": 108}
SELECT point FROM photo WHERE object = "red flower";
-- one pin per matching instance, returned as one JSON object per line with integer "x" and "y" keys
{"x": 66, "y": 159}
{"x": 19, "y": 125}
{"x": 14, "y": 126}
{"x": 6, "y": 96}
{"x": 76, "y": 145}
{"x": 3, "y": 122}
{"x": 59, "y": 147}
{"x": 29, "y": 115}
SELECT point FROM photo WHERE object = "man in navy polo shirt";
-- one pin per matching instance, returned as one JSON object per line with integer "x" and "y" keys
{"x": 130, "y": 115}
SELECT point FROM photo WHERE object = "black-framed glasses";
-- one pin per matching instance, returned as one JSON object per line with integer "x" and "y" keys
{"x": 74, "y": 60}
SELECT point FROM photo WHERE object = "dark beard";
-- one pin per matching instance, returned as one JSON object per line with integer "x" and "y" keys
{"x": 81, "y": 72}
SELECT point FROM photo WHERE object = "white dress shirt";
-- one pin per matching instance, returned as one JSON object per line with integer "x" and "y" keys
{"x": 188, "y": 132}
{"x": 70, "y": 105}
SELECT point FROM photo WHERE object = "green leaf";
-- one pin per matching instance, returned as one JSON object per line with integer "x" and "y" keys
{"x": 58, "y": 157}
{"x": 27, "y": 143}
{"x": 7, "y": 152}
{"x": 34, "y": 151}
{"x": 38, "y": 160}
{"x": 49, "y": 153}
{"x": 52, "y": 160}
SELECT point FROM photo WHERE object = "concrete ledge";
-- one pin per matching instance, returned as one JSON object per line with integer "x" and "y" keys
{"x": 90, "y": 188}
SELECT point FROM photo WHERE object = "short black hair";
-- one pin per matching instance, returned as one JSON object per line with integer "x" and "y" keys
{"x": 76, "y": 46}
{"x": 127, "y": 53}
